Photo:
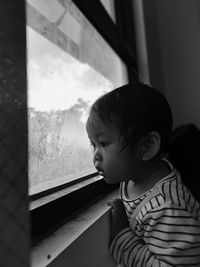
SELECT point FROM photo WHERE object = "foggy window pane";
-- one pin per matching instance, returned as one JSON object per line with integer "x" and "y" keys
{"x": 69, "y": 66}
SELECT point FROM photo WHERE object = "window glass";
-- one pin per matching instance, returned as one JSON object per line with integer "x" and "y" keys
{"x": 109, "y": 7}
{"x": 69, "y": 66}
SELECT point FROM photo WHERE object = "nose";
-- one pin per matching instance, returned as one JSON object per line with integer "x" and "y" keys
{"x": 97, "y": 157}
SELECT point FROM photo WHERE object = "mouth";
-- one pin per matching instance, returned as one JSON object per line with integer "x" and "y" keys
{"x": 101, "y": 172}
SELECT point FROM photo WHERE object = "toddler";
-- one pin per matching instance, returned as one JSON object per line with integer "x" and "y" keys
{"x": 156, "y": 221}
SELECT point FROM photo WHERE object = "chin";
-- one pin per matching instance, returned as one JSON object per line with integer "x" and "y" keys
{"x": 110, "y": 181}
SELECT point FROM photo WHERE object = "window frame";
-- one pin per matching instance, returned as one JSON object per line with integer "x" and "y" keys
{"x": 46, "y": 218}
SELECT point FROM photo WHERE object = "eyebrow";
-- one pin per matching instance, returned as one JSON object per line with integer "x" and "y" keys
{"x": 98, "y": 134}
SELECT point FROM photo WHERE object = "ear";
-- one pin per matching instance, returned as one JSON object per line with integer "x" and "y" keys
{"x": 151, "y": 145}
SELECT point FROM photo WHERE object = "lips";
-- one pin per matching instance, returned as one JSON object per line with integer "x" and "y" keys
{"x": 100, "y": 171}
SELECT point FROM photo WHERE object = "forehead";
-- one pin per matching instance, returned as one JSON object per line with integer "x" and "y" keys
{"x": 96, "y": 127}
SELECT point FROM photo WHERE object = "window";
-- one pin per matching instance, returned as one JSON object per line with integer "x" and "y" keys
{"x": 73, "y": 57}
{"x": 69, "y": 66}
{"x": 110, "y": 8}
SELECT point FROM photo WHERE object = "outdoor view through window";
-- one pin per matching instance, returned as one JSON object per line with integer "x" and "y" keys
{"x": 69, "y": 66}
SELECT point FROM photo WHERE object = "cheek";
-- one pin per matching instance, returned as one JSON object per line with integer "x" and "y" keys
{"x": 127, "y": 162}
{"x": 110, "y": 162}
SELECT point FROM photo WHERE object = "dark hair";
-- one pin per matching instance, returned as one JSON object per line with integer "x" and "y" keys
{"x": 136, "y": 109}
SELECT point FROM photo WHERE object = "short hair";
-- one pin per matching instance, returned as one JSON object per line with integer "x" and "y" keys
{"x": 136, "y": 110}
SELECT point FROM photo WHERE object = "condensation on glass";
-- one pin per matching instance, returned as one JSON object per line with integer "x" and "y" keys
{"x": 69, "y": 66}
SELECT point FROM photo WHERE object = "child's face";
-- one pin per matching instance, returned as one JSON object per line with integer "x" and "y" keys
{"x": 113, "y": 163}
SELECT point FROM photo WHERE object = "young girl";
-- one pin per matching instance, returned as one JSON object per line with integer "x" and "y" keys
{"x": 157, "y": 220}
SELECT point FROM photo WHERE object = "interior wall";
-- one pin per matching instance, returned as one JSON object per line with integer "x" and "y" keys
{"x": 90, "y": 249}
{"x": 173, "y": 44}
{"x": 14, "y": 202}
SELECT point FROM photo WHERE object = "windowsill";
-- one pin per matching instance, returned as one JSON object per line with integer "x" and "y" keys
{"x": 50, "y": 248}
{"x": 60, "y": 193}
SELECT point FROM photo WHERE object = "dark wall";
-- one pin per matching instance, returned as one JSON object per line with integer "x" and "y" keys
{"x": 14, "y": 221}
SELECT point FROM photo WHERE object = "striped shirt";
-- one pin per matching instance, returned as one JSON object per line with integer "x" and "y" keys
{"x": 167, "y": 228}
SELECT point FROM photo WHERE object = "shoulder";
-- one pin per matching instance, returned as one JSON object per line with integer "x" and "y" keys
{"x": 174, "y": 191}
{"x": 176, "y": 194}
{"x": 172, "y": 199}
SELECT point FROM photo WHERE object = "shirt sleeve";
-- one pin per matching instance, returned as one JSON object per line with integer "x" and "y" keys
{"x": 166, "y": 236}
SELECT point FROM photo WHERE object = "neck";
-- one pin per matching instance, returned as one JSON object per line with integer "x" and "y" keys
{"x": 154, "y": 172}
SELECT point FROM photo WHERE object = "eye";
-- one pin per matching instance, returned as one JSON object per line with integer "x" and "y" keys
{"x": 104, "y": 144}
{"x": 92, "y": 145}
